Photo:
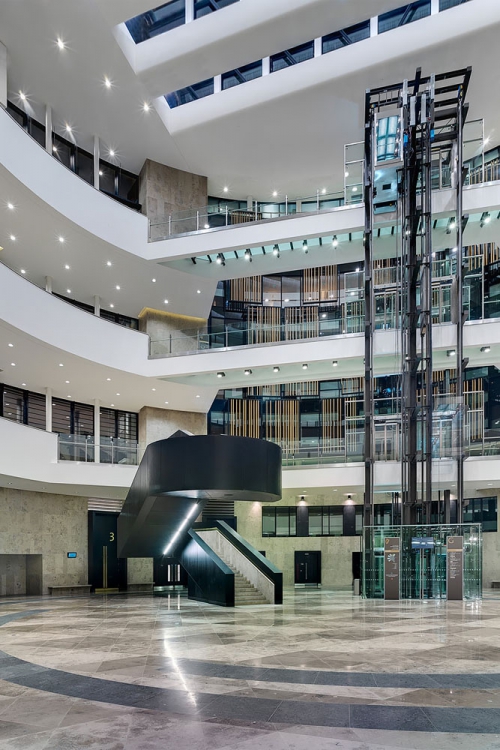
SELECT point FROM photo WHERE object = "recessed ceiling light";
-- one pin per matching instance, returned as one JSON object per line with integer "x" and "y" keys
{"x": 23, "y": 384}
{"x": 67, "y": 382}
{"x": 154, "y": 281}
{"x": 165, "y": 301}
{"x": 226, "y": 189}
{"x": 323, "y": 191}
{"x": 275, "y": 193}
{"x": 153, "y": 389}
{"x": 198, "y": 291}
{"x": 60, "y": 43}
{"x": 11, "y": 344}
{"x": 355, "y": 189}
{"x": 54, "y": 149}
{"x": 111, "y": 152}
{"x": 22, "y": 96}
{"x": 23, "y": 271}
{"x": 100, "y": 173}
{"x": 334, "y": 363}
{"x": 346, "y": 174}
{"x": 484, "y": 349}
{"x": 111, "y": 304}
{"x": 166, "y": 402}
{"x": 13, "y": 237}
{"x": 11, "y": 206}
{"x": 145, "y": 107}
{"x": 221, "y": 374}
{"x": 61, "y": 364}
{"x": 248, "y": 372}
{"x": 304, "y": 366}
{"x": 68, "y": 128}
{"x": 117, "y": 394}
{"x": 69, "y": 396}
{"x": 206, "y": 226}
{"x": 107, "y": 82}
{"x": 68, "y": 291}
{"x": 112, "y": 404}
{"x": 117, "y": 287}
{"x": 276, "y": 369}
{"x": 108, "y": 378}
{"x": 109, "y": 263}
{"x": 197, "y": 395}
{"x": 61, "y": 239}
{"x": 66, "y": 267}
{"x": 13, "y": 364}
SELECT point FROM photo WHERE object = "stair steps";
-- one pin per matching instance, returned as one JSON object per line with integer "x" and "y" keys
{"x": 245, "y": 592}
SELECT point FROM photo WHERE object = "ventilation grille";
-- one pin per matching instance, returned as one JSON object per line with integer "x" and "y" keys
{"x": 105, "y": 505}
{"x": 218, "y": 509}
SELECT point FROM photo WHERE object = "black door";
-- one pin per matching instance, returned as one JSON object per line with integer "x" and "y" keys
{"x": 168, "y": 572}
{"x": 356, "y": 565}
{"x": 106, "y": 570}
{"x": 308, "y": 567}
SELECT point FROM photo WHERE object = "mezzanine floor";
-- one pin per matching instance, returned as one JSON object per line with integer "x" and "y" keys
{"x": 325, "y": 670}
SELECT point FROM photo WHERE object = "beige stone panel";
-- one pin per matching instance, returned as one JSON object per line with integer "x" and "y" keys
{"x": 157, "y": 424}
{"x": 140, "y": 570}
{"x": 170, "y": 333}
{"x": 165, "y": 190}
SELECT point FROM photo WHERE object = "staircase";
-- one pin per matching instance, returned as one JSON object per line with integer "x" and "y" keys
{"x": 244, "y": 591}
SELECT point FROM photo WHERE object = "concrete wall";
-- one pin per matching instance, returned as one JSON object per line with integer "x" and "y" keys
{"x": 170, "y": 333}
{"x": 12, "y": 575}
{"x": 38, "y": 523}
{"x": 140, "y": 570}
{"x": 156, "y": 424}
{"x": 164, "y": 190}
{"x": 336, "y": 552}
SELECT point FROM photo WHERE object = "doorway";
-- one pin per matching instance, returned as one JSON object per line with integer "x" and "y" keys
{"x": 107, "y": 572}
{"x": 308, "y": 568}
{"x": 20, "y": 575}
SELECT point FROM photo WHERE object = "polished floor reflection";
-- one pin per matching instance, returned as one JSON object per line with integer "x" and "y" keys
{"x": 324, "y": 670}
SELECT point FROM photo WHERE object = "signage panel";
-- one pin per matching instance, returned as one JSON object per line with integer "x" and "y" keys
{"x": 422, "y": 542}
{"x": 392, "y": 547}
{"x": 455, "y": 568}
{"x": 71, "y": 554}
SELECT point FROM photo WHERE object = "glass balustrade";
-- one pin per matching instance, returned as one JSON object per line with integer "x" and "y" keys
{"x": 82, "y": 448}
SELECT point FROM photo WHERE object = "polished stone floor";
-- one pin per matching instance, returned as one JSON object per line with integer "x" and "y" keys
{"x": 325, "y": 670}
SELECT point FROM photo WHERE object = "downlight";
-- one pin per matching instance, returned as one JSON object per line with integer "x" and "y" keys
{"x": 248, "y": 255}
{"x": 276, "y": 251}
{"x": 305, "y": 247}
{"x": 221, "y": 374}
{"x": 335, "y": 241}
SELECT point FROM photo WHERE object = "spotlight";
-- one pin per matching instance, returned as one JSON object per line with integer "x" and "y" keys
{"x": 60, "y": 43}
{"x": 111, "y": 152}
{"x": 485, "y": 219}
{"x": 335, "y": 241}
{"x": 276, "y": 251}
{"x": 334, "y": 363}
{"x": 22, "y": 96}
{"x": 248, "y": 255}
{"x": 248, "y": 372}
{"x": 206, "y": 226}
{"x": 11, "y": 206}
{"x": 305, "y": 247}
{"x": 107, "y": 82}
{"x": 276, "y": 369}
{"x": 226, "y": 189}
{"x": 275, "y": 193}
{"x": 68, "y": 128}
{"x": 485, "y": 349}
{"x": 221, "y": 374}
{"x": 304, "y": 366}
{"x": 451, "y": 225}
{"x": 220, "y": 259}
{"x": 451, "y": 352}
{"x": 145, "y": 107}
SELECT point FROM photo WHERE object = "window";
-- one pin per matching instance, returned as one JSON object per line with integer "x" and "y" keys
{"x": 482, "y": 510}
{"x": 35, "y": 403}
{"x": 445, "y": 4}
{"x": 241, "y": 75}
{"x": 279, "y": 521}
{"x": 402, "y": 16}
{"x": 117, "y": 424}
{"x": 157, "y": 21}
{"x": 72, "y": 418}
{"x": 345, "y": 37}
{"x": 13, "y": 404}
{"x": 204, "y": 7}
{"x": 388, "y": 140}
{"x": 326, "y": 520}
{"x": 61, "y": 416}
{"x": 190, "y": 93}
{"x": 292, "y": 56}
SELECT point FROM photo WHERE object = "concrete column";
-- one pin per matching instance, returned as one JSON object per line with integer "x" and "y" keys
{"x": 97, "y": 156}
{"x": 170, "y": 333}
{"x": 48, "y": 409}
{"x": 189, "y": 11}
{"x": 48, "y": 284}
{"x": 298, "y": 206}
{"x": 165, "y": 190}
{"x": 374, "y": 26}
{"x": 48, "y": 129}
{"x": 318, "y": 49}
{"x": 97, "y": 431}
{"x": 217, "y": 84}
{"x": 266, "y": 66}
{"x": 97, "y": 305}
{"x": 434, "y": 7}
{"x": 3, "y": 75}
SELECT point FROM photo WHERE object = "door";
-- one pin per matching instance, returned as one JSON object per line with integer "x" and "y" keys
{"x": 106, "y": 571}
{"x": 168, "y": 572}
{"x": 308, "y": 568}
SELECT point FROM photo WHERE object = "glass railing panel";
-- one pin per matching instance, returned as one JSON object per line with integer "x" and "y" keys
{"x": 205, "y": 7}
{"x": 82, "y": 448}
{"x": 157, "y": 21}
{"x": 402, "y": 16}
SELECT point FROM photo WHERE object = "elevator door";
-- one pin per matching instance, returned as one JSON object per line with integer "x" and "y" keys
{"x": 308, "y": 567}
{"x": 107, "y": 572}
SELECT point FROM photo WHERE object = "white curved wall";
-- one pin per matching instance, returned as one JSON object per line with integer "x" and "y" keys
{"x": 32, "y": 455}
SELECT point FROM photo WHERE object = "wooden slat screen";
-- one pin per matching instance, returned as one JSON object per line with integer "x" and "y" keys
{"x": 320, "y": 284}
{"x": 247, "y": 290}
{"x": 244, "y": 418}
{"x": 263, "y": 324}
{"x": 301, "y": 323}
{"x": 282, "y": 421}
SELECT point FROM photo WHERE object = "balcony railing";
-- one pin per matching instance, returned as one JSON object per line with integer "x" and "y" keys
{"x": 82, "y": 448}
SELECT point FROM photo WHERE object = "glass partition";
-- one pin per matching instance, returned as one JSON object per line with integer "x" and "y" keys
{"x": 423, "y": 560}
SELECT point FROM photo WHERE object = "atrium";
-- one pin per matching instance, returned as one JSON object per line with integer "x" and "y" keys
{"x": 249, "y": 374}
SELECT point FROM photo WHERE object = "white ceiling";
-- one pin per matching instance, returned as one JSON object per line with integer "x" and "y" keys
{"x": 293, "y": 144}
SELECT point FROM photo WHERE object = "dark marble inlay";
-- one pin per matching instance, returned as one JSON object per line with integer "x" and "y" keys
{"x": 261, "y": 710}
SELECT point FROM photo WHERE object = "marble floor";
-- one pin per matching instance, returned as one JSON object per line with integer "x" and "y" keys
{"x": 325, "y": 670}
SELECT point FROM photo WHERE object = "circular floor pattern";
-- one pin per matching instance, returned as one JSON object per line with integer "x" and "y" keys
{"x": 323, "y": 660}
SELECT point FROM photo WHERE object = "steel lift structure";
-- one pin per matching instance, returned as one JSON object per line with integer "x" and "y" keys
{"x": 414, "y": 130}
